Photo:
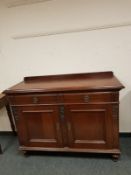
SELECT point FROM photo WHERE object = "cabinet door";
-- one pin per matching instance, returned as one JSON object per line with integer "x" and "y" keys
{"x": 39, "y": 126}
{"x": 89, "y": 126}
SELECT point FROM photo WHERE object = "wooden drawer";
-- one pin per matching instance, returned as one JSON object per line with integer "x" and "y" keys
{"x": 91, "y": 97}
{"x": 97, "y": 97}
{"x": 33, "y": 99}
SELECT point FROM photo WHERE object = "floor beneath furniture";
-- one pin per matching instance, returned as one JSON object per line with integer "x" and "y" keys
{"x": 15, "y": 163}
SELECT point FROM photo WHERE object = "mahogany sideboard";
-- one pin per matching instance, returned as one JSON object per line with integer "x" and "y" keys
{"x": 71, "y": 112}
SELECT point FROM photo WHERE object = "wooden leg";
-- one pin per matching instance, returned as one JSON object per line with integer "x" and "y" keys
{"x": 11, "y": 118}
{"x": 115, "y": 157}
{"x": 0, "y": 149}
{"x": 23, "y": 152}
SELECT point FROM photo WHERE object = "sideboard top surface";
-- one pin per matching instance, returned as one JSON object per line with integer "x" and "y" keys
{"x": 97, "y": 81}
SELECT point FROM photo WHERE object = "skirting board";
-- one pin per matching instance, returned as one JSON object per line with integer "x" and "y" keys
{"x": 122, "y": 134}
{"x": 125, "y": 134}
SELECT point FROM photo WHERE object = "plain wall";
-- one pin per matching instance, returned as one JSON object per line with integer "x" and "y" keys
{"x": 88, "y": 51}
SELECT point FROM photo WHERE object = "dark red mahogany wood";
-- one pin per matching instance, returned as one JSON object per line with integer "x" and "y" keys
{"x": 71, "y": 112}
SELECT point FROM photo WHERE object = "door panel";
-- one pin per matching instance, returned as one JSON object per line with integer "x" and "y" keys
{"x": 39, "y": 126}
{"x": 89, "y": 126}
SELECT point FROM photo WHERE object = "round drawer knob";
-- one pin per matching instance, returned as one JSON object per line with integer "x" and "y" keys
{"x": 35, "y": 100}
{"x": 86, "y": 99}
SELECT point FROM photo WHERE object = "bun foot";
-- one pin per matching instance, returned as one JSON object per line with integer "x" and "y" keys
{"x": 115, "y": 157}
{"x": 23, "y": 152}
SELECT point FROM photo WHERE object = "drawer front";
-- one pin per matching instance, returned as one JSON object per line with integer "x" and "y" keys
{"x": 91, "y": 97}
{"x": 94, "y": 97}
{"x": 33, "y": 99}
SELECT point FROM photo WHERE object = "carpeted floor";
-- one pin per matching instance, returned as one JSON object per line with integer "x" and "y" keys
{"x": 12, "y": 162}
